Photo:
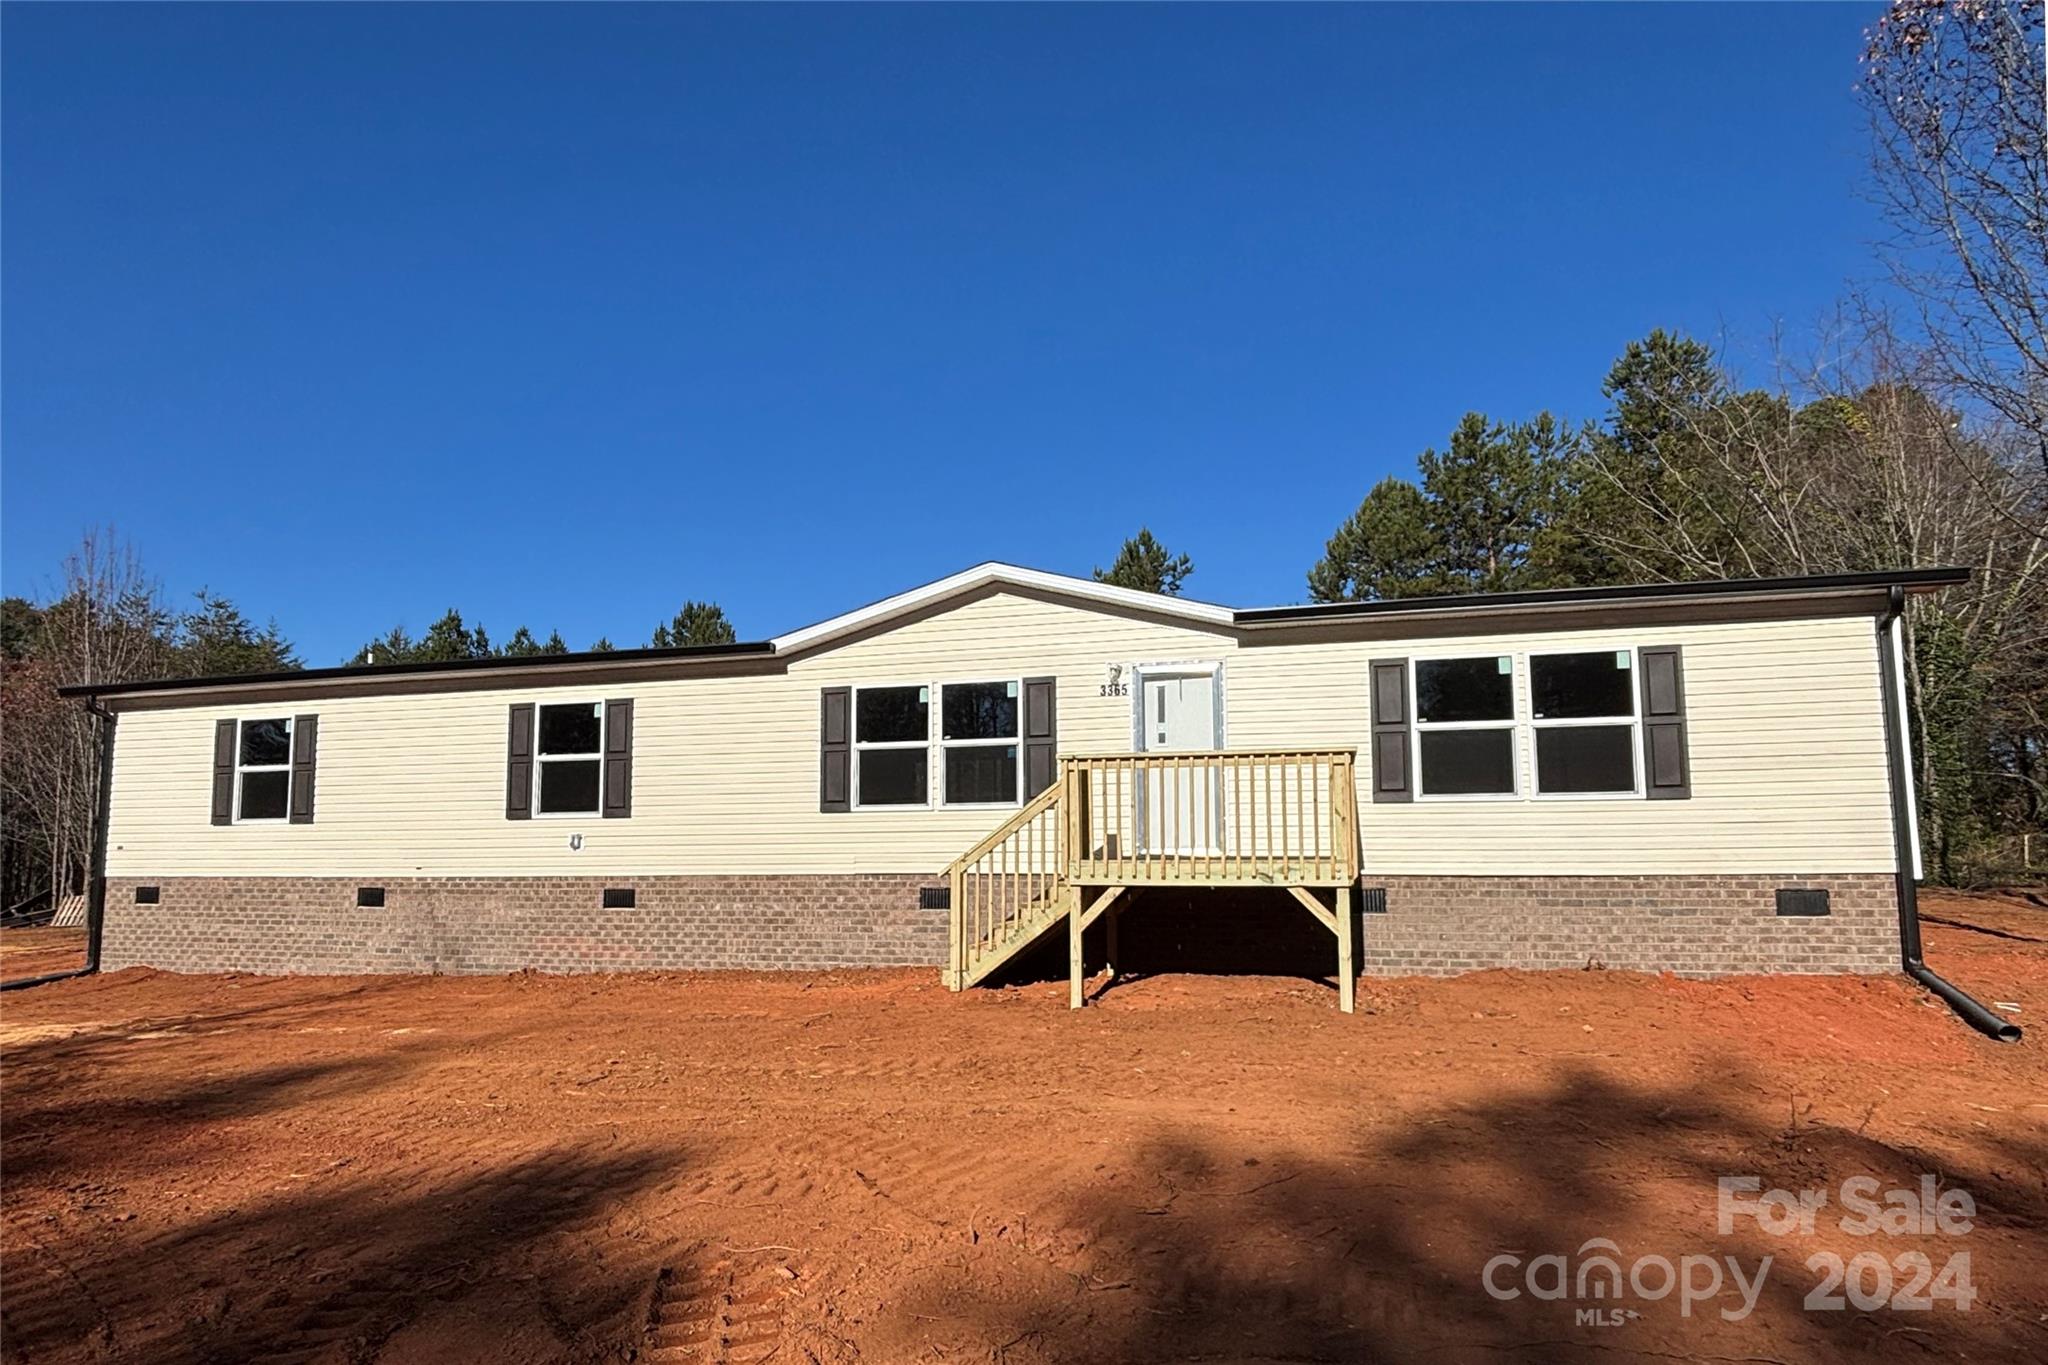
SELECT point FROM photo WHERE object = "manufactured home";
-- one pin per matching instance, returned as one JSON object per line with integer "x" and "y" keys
{"x": 1702, "y": 778}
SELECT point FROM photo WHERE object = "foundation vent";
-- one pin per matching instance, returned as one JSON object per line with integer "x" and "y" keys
{"x": 935, "y": 898}
{"x": 618, "y": 898}
{"x": 1372, "y": 900}
{"x": 148, "y": 895}
{"x": 1799, "y": 901}
{"x": 369, "y": 898}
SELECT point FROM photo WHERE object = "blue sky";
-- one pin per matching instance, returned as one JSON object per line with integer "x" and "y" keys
{"x": 563, "y": 314}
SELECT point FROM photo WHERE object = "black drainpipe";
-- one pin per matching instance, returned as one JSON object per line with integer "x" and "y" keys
{"x": 96, "y": 888}
{"x": 1972, "y": 1010}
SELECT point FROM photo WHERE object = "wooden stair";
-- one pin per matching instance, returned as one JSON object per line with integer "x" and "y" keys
{"x": 1111, "y": 822}
{"x": 1008, "y": 891}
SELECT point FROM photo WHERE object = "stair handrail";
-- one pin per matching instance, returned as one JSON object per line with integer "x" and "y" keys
{"x": 957, "y": 870}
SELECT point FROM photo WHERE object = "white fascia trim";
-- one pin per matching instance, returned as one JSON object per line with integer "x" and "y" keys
{"x": 1001, "y": 575}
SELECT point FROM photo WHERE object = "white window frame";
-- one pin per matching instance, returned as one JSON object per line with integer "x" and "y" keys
{"x": 858, "y": 745}
{"x": 1634, "y": 721}
{"x": 291, "y": 740}
{"x": 940, "y": 744}
{"x": 541, "y": 760}
{"x": 1418, "y": 727}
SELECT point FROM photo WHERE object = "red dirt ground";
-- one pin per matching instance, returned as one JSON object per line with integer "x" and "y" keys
{"x": 26, "y": 952}
{"x": 858, "y": 1166}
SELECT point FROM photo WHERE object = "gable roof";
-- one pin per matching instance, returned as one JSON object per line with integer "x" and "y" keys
{"x": 994, "y": 575}
{"x": 766, "y": 655}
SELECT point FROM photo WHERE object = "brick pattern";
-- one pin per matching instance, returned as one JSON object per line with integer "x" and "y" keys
{"x": 1694, "y": 926}
{"x": 1434, "y": 926}
{"x": 461, "y": 925}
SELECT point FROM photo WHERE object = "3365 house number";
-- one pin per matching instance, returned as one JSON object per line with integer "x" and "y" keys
{"x": 1116, "y": 689}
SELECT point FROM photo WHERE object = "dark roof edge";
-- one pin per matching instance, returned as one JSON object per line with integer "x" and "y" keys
{"x": 353, "y": 672}
{"x": 1922, "y": 580}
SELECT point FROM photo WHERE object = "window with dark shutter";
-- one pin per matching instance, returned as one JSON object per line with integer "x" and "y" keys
{"x": 519, "y": 764}
{"x": 1392, "y": 768}
{"x": 305, "y": 751}
{"x": 263, "y": 770}
{"x": 618, "y": 759}
{"x": 224, "y": 772}
{"x": 835, "y": 749}
{"x": 1041, "y": 734}
{"x": 1667, "y": 767}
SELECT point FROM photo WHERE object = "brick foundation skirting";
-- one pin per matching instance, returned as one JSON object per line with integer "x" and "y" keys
{"x": 1695, "y": 926}
{"x": 1432, "y": 926}
{"x": 462, "y": 925}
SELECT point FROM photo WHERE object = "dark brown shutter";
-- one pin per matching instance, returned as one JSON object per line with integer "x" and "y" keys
{"x": 1041, "y": 734}
{"x": 1667, "y": 772}
{"x": 224, "y": 772}
{"x": 1392, "y": 766}
{"x": 519, "y": 764}
{"x": 835, "y": 749}
{"x": 618, "y": 759}
{"x": 305, "y": 749}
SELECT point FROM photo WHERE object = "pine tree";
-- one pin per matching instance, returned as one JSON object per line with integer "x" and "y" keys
{"x": 698, "y": 623}
{"x": 1387, "y": 548}
{"x": 522, "y": 645}
{"x": 1145, "y": 564}
{"x": 216, "y": 640}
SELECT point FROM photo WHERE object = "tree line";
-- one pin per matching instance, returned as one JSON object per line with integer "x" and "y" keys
{"x": 109, "y": 620}
{"x": 1916, "y": 436}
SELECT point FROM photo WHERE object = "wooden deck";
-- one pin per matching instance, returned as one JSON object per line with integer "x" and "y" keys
{"x": 1112, "y": 822}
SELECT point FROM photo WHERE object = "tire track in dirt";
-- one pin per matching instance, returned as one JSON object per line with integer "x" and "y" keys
{"x": 729, "y": 1312}
{"x": 478, "y": 1195}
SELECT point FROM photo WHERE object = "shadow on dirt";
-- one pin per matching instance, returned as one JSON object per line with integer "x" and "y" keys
{"x": 503, "y": 1263}
{"x": 1199, "y": 1252}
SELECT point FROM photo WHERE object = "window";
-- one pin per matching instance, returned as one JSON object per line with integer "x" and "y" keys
{"x": 892, "y": 735}
{"x": 569, "y": 766}
{"x": 978, "y": 742}
{"x": 1583, "y": 714}
{"x": 1465, "y": 726}
{"x": 263, "y": 769}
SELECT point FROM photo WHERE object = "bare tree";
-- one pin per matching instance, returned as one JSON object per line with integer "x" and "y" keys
{"x": 106, "y": 622}
{"x": 1957, "y": 98}
{"x": 1851, "y": 463}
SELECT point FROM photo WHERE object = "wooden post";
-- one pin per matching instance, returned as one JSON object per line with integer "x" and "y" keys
{"x": 956, "y": 915}
{"x": 1074, "y": 965}
{"x": 1347, "y": 967}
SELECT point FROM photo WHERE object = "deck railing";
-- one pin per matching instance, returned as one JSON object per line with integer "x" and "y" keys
{"x": 1279, "y": 817}
{"x": 1006, "y": 883}
{"x": 1231, "y": 817}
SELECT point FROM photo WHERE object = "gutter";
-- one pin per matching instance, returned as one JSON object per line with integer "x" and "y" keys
{"x": 1729, "y": 589}
{"x": 96, "y": 889}
{"x": 1904, "y": 844}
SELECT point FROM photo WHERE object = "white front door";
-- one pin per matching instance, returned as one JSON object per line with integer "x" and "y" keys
{"x": 1180, "y": 711}
{"x": 1181, "y": 804}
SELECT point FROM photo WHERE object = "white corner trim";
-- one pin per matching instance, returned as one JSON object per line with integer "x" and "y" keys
{"x": 1000, "y": 575}
{"x": 1905, "y": 741}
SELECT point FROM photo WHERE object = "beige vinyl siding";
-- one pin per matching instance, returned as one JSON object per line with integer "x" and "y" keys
{"x": 725, "y": 770}
{"x": 1787, "y": 753}
{"x": 1786, "y": 732}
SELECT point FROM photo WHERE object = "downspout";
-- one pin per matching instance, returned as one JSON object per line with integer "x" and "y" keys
{"x": 96, "y": 887}
{"x": 1891, "y": 670}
